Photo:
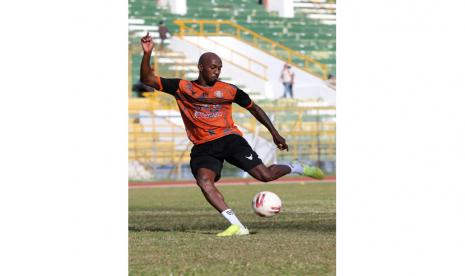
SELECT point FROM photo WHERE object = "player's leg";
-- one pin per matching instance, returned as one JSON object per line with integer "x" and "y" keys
{"x": 273, "y": 172}
{"x": 266, "y": 174}
{"x": 206, "y": 182}
{"x": 244, "y": 157}
{"x": 206, "y": 169}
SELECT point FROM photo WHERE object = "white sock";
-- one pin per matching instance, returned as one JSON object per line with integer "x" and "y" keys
{"x": 296, "y": 167}
{"x": 231, "y": 217}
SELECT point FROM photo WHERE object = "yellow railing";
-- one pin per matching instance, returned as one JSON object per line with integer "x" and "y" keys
{"x": 228, "y": 28}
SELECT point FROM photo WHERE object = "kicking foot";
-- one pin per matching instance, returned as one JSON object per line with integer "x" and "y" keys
{"x": 313, "y": 172}
{"x": 307, "y": 170}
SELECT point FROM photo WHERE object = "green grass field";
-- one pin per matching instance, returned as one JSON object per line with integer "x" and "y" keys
{"x": 172, "y": 231}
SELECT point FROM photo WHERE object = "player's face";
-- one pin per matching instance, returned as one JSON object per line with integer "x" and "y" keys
{"x": 211, "y": 70}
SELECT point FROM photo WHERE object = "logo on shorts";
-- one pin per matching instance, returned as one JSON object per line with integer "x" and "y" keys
{"x": 249, "y": 157}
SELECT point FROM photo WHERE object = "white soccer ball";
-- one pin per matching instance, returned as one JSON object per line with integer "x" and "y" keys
{"x": 266, "y": 204}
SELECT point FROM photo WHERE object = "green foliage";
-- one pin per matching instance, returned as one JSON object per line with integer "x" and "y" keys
{"x": 172, "y": 230}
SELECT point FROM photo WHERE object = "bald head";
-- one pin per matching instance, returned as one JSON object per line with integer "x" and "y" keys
{"x": 207, "y": 57}
{"x": 209, "y": 68}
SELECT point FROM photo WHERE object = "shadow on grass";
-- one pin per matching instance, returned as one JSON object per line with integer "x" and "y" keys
{"x": 253, "y": 226}
{"x": 194, "y": 228}
{"x": 180, "y": 229}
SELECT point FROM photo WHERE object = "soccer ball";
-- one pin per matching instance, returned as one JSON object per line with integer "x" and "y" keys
{"x": 266, "y": 204}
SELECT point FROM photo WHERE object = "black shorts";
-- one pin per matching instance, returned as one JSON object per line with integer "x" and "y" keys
{"x": 232, "y": 148}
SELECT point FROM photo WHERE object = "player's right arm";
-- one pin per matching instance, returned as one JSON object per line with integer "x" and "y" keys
{"x": 146, "y": 73}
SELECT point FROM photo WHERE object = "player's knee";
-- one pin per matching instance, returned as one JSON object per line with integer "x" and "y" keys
{"x": 205, "y": 183}
{"x": 266, "y": 177}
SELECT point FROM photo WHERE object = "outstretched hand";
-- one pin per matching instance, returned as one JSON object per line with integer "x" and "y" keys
{"x": 280, "y": 142}
{"x": 147, "y": 43}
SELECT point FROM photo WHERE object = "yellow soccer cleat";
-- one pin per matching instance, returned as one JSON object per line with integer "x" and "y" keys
{"x": 233, "y": 230}
{"x": 307, "y": 170}
{"x": 313, "y": 172}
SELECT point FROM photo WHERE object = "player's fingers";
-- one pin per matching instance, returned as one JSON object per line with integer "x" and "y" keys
{"x": 146, "y": 37}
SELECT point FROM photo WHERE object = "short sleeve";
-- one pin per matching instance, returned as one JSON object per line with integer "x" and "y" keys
{"x": 242, "y": 99}
{"x": 169, "y": 86}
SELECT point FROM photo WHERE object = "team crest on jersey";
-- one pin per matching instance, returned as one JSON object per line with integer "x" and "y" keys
{"x": 219, "y": 94}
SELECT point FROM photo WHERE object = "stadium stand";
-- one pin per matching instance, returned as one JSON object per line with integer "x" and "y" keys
{"x": 158, "y": 146}
{"x": 311, "y": 32}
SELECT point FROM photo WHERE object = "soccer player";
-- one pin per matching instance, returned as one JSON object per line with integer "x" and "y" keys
{"x": 206, "y": 109}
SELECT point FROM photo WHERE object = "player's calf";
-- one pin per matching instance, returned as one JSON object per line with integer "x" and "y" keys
{"x": 266, "y": 174}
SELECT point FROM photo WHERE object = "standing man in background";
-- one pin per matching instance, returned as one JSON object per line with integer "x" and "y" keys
{"x": 162, "y": 31}
{"x": 287, "y": 78}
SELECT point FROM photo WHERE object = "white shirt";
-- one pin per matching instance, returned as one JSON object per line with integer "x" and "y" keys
{"x": 287, "y": 75}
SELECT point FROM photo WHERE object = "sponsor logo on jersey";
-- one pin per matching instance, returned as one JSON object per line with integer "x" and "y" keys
{"x": 209, "y": 115}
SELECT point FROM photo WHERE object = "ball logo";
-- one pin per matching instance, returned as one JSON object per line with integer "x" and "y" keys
{"x": 219, "y": 94}
{"x": 260, "y": 200}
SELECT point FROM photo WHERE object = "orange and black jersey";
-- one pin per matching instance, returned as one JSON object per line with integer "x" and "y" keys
{"x": 206, "y": 111}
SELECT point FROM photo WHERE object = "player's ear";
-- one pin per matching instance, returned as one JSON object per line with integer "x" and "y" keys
{"x": 200, "y": 66}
